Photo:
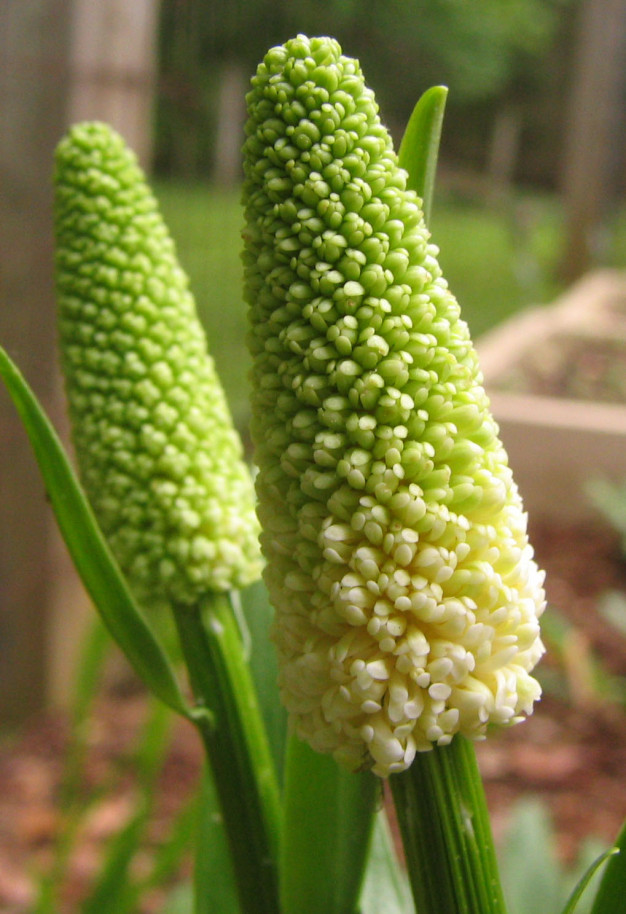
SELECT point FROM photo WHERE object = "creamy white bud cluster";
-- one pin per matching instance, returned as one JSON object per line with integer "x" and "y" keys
{"x": 406, "y": 592}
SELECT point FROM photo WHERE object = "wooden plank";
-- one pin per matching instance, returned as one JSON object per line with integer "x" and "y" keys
{"x": 34, "y": 47}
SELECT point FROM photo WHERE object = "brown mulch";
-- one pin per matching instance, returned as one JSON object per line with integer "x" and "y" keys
{"x": 571, "y": 752}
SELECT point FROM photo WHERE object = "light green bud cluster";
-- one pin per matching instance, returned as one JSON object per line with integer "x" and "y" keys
{"x": 157, "y": 451}
{"x": 406, "y": 592}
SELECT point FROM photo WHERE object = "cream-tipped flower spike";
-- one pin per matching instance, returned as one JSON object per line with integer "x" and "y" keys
{"x": 158, "y": 454}
{"x": 406, "y": 592}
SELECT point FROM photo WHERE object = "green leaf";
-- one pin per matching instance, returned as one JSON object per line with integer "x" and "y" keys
{"x": 180, "y": 901}
{"x": 419, "y": 148}
{"x": 327, "y": 828}
{"x": 88, "y": 548}
{"x": 612, "y": 889}
{"x": 530, "y": 872}
{"x": 259, "y": 613}
{"x": 215, "y": 889}
{"x": 111, "y": 890}
{"x": 386, "y": 887}
{"x": 586, "y": 878}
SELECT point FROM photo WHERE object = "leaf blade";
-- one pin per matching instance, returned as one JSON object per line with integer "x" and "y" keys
{"x": 89, "y": 551}
{"x": 585, "y": 879}
{"x": 328, "y": 819}
{"x": 419, "y": 148}
{"x": 386, "y": 887}
{"x": 612, "y": 889}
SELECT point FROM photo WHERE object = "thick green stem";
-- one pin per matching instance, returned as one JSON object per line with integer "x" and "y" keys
{"x": 441, "y": 808}
{"x": 237, "y": 749}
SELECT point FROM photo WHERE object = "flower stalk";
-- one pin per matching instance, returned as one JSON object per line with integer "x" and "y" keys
{"x": 446, "y": 832}
{"x": 406, "y": 592}
{"x": 440, "y": 800}
{"x": 236, "y": 747}
{"x": 163, "y": 468}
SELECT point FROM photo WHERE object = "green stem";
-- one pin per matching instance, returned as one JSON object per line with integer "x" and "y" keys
{"x": 237, "y": 748}
{"x": 443, "y": 817}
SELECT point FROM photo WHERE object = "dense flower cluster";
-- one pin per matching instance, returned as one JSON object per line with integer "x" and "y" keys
{"x": 157, "y": 451}
{"x": 406, "y": 593}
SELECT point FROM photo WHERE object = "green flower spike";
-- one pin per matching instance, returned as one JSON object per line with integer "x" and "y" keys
{"x": 406, "y": 593}
{"x": 157, "y": 451}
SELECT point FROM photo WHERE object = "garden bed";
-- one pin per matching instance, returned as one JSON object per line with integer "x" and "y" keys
{"x": 556, "y": 377}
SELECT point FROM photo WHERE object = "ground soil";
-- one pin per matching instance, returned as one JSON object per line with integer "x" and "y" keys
{"x": 572, "y": 752}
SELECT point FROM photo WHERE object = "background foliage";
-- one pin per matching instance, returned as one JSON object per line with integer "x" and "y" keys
{"x": 490, "y": 54}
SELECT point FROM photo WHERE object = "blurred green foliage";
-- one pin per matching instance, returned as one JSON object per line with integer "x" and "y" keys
{"x": 490, "y": 54}
{"x": 533, "y": 877}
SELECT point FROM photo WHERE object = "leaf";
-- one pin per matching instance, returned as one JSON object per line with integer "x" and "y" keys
{"x": 612, "y": 890}
{"x": 180, "y": 901}
{"x": 327, "y": 828}
{"x": 110, "y": 893}
{"x": 214, "y": 878}
{"x": 419, "y": 148}
{"x": 386, "y": 887}
{"x": 585, "y": 879}
{"x": 530, "y": 873}
{"x": 259, "y": 613}
{"x": 89, "y": 551}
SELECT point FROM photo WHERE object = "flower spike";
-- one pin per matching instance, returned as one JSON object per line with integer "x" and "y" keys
{"x": 158, "y": 454}
{"x": 406, "y": 592}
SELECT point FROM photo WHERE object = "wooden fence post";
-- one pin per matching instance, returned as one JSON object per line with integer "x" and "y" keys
{"x": 33, "y": 37}
{"x": 112, "y": 64}
{"x": 595, "y": 111}
{"x": 60, "y": 62}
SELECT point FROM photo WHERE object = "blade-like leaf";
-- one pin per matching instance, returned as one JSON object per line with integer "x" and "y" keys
{"x": 528, "y": 864}
{"x": 612, "y": 889}
{"x": 214, "y": 878}
{"x": 386, "y": 887}
{"x": 180, "y": 901}
{"x": 419, "y": 148}
{"x": 327, "y": 829}
{"x": 584, "y": 881}
{"x": 88, "y": 548}
{"x": 109, "y": 894}
{"x": 258, "y": 613}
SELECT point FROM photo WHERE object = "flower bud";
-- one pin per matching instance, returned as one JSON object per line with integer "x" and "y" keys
{"x": 157, "y": 452}
{"x": 406, "y": 592}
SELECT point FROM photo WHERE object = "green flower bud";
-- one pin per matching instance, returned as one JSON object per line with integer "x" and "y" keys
{"x": 157, "y": 451}
{"x": 406, "y": 592}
